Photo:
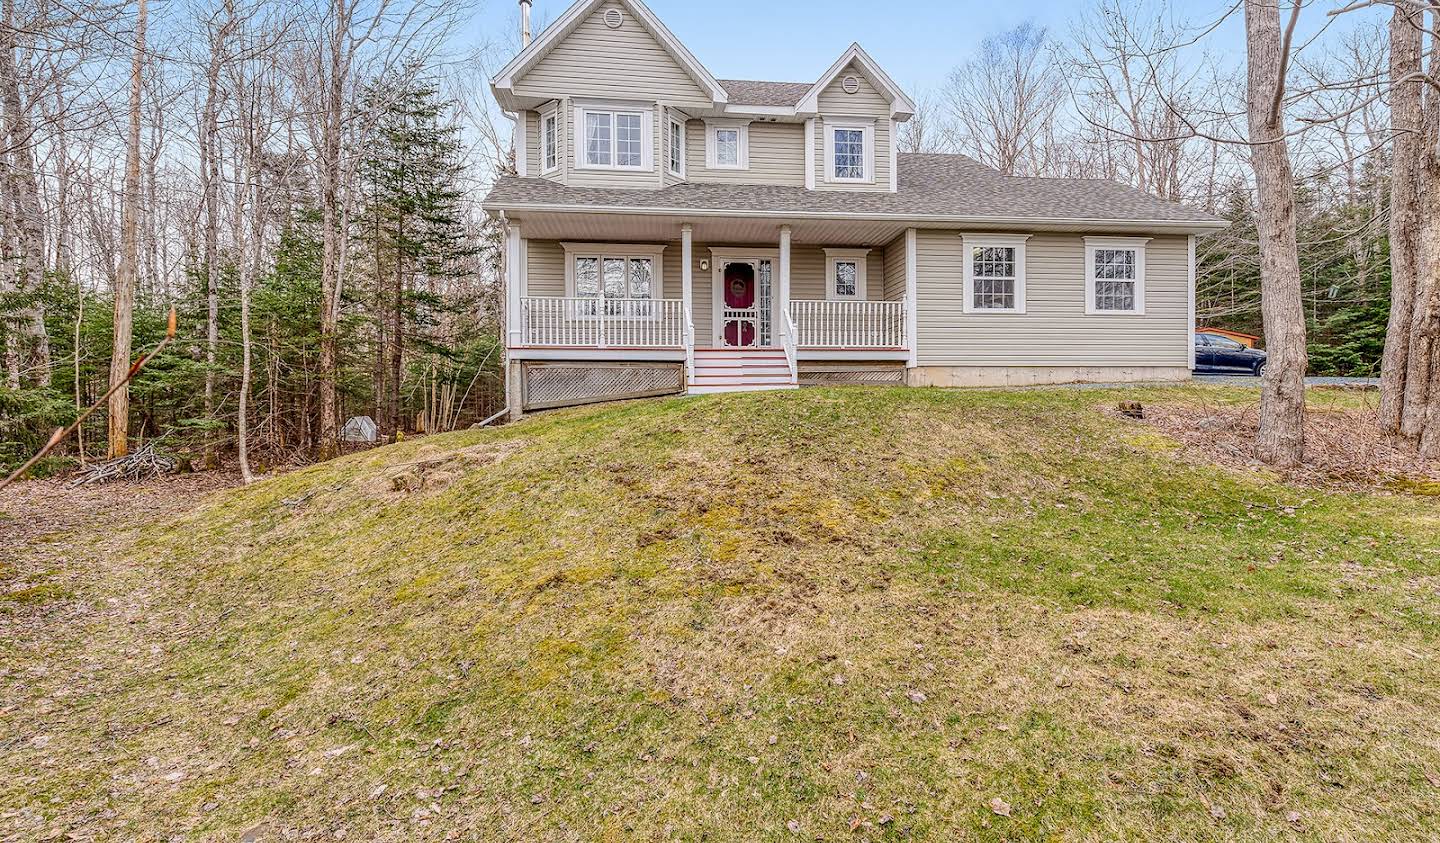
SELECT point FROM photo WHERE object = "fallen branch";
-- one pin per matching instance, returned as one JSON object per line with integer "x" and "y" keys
{"x": 62, "y": 432}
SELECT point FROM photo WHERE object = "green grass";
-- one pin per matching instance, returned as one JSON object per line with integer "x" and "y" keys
{"x": 868, "y": 612}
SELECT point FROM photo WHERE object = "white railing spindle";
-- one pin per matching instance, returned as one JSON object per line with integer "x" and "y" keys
{"x": 849, "y": 324}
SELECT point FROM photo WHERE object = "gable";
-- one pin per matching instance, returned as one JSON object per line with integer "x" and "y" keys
{"x": 628, "y": 61}
{"x": 855, "y": 61}
{"x": 867, "y": 101}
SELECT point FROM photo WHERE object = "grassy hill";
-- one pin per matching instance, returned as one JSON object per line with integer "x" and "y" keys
{"x": 877, "y": 614}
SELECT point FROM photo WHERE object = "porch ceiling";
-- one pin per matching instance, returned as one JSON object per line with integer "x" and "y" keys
{"x": 666, "y": 228}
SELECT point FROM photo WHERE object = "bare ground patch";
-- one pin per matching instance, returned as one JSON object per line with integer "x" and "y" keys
{"x": 1344, "y": 447}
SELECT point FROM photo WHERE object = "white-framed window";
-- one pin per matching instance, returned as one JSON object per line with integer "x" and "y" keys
{"x": 845, "y": 274}
{"x": 675, "y": 131}
{"x": 549, "y": 141}
{"x": 1115, "y": 275}
{"x": 994, "y": 273}
{"x": 625, "y": 276}
{"x": 613, "y": 138}
{"x": 727, "y": 144}
{"x": 850, "y": 150}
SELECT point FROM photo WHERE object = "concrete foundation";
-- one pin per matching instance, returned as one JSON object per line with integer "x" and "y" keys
{"x": 1041, "y": 375}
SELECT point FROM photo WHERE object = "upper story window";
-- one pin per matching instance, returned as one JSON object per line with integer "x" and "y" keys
{"x": 676, "y": 162}
{"x": 727, "y": 145}
{"x": 549, "y": 141}
{"x": 845, "y": 274}
{"x": 994, "y": 273}
{"x": 849, "y": 151}
{"x": 1115, "y": 275}
{"x": 614, "y": 139}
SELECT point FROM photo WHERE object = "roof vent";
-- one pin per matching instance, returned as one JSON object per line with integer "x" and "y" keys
{"x": 850, "y": 84}
{"x": 613, "y": 18}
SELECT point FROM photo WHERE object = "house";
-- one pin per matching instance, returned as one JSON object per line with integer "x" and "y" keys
{"x": 1247, "y": 340}
{"x": 673, "y": 232}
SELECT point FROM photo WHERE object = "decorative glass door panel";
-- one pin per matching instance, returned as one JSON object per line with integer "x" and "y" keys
{"x": 740, "y": 319}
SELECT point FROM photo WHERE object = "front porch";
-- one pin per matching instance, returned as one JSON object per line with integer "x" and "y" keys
{"x": 729, "y": 315}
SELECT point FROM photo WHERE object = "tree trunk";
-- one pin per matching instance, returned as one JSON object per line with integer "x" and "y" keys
{"x": 210, "y": 172}
{"x": 1404, "y": 213}
{"x": 1425, "y": 334}
{"x": 1282, "y": 394}
{"x": 129, "y": 253}
{"x": 332, "y": 235}
{"x": 27, "y": 216}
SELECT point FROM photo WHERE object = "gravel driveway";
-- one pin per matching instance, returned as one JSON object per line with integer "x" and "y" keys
{"x": 1251, "y": 380}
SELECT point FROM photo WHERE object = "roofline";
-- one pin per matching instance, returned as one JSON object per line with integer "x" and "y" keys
{"x": 1175, "y": 226}
{"x": 898, "y": 97}
{"x": 526, "y": 58}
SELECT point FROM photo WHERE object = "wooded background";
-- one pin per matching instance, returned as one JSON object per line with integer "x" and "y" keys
{"x": 301, "y": 182}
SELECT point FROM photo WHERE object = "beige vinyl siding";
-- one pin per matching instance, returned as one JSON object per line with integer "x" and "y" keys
{"x": 777, "y": 156}
{"x": 1054, "y": 330}
{"x": 868, "y": 104}
{"x": 895, "y": 269}
{"x": 625, "y": 63}
{"x": 545, "y": 272}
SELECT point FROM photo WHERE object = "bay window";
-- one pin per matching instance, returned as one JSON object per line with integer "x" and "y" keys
{"x": 613, "y": 139}
{"x": 549, "y": 142}
{"x": 676, "y": 131}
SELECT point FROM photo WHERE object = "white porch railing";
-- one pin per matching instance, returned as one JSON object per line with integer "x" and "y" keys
{"x": 602, "y": 323}
{"x": 787, "y": 341}
{"x": 849, "y": 324}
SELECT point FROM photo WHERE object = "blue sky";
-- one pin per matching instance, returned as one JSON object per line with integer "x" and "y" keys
{"x": 918, "y": 43}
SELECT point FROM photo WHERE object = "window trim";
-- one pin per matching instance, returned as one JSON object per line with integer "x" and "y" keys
{"x": 712, "y": 147}
{"x": 653, "y": 251}
{"x": 867, "y": 129}
{"x": 671, "y": 122}
{"x": 551, "y": 134}
{"x": 861, "y": 259}
{"x": 1136, "y": 244}
{"x": 647, "y": 128}
{"x": 970, "y": 242}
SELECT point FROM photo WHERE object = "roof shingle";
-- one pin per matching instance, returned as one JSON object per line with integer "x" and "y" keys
{"x": 750, "y": 92}
{"x": 929, "y": 185}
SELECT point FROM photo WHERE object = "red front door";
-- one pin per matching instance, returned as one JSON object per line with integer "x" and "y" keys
{"x": 739, "y": 294}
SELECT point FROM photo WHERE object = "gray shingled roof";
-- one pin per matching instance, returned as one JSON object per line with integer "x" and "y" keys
{"x": 930, "y": 185}
{"x": 750, "y": 92}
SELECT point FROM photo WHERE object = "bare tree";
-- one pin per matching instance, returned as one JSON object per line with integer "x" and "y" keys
{"x": 1004, "y": 101}
{"x": 125, "y": 277}
{"x": 1282, "y": 394}
{"x": 1405, "y": 120}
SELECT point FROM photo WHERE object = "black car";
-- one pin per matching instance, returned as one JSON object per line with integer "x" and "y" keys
{"x": 1218, "y": 355}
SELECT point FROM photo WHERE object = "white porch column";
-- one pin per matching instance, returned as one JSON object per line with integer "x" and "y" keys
{"x": 514, "y": 272}
{"x": 912, "y": 296}
{"x": 782, "y": 296}
{"x": 687, "y": 265}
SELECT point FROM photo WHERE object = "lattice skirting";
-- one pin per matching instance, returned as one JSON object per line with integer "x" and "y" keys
{"x": 559, "y": 384}
{"x": 852, "y": 375}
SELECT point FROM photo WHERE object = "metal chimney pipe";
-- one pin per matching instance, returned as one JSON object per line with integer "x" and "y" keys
{"x": 524, "y": 23}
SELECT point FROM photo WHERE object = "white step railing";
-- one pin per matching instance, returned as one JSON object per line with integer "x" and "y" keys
{"x": 849, "y": 324}
{"x": 596, "y": 323}
{"x": 788, "y": 341}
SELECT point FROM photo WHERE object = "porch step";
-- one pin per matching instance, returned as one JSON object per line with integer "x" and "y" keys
{"x": 740, "y": 370}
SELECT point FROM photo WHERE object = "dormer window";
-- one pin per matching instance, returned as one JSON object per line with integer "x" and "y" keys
{"x": 849, "y": 151}
{"x": 727, "y": 145}
{"x": 614, "y": 139}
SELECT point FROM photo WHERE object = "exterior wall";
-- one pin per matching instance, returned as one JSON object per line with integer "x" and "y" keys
{"x": 600, "y": 62}
{"x": 868, "y": 103}
{"x": 1055, "y": 330}
{"x": 533, "y": 151}
{"x": 545, "y": 269}
{"x": 777, "y": 155}
{"x": 894, "y": 277}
